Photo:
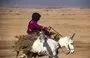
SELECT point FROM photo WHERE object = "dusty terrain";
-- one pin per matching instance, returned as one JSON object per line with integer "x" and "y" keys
{"x": 13, "y": 21}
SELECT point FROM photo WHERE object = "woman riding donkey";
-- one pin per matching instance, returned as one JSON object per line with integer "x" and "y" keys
{"x": 25, "y": 42}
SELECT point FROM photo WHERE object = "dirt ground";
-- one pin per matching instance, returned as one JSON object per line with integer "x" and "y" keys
{"x": 14, "y": 21}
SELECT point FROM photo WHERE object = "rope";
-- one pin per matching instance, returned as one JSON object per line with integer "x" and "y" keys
{"x": 56, "y": 31}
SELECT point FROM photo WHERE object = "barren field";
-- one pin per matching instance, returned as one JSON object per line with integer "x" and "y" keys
{"x": 14, "y": 21}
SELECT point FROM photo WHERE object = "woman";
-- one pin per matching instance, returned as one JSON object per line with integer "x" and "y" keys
{"x": 34, "y": 27}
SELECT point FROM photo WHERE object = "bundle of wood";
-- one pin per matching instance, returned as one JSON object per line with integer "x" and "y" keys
{"x": 24, "y": 42}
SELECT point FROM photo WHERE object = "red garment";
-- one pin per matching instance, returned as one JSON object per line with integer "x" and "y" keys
{"x": 33, "y": 25}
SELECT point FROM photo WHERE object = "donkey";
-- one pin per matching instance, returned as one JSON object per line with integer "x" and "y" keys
{"x": 63, "y": 41}
{"x": 43, "y": 45}
{"x": 47, "y": 46}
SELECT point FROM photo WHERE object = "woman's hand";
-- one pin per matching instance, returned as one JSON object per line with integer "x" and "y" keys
{"x": 46, "y": 28}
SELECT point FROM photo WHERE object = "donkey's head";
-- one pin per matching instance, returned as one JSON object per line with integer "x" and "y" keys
{"x": 67, "y": 42}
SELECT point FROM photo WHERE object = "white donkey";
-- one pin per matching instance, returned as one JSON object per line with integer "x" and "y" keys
{"x": 46, "y": 46}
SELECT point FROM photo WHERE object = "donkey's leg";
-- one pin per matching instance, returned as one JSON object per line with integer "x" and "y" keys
{"x": 17, "y": 54}
{"x": 53, "y": 56}
{"x": 56, "y": 56}
{"x": 29, "y": 55}
{"x": 50, "y": 56}
{"x": 35, "y": 55}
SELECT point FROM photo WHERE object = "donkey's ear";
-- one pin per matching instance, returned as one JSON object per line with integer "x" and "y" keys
{"x": 72, "y": 36}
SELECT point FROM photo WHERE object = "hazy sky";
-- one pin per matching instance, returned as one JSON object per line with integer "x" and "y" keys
{"x": 29, "y": 3}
